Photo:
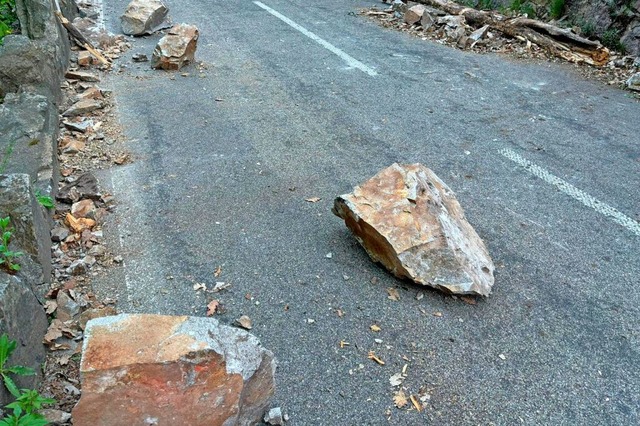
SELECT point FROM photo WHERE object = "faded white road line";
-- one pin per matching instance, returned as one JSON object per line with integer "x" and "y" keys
{"x": 348, "y": 59}
{"x": 564, "y": 186}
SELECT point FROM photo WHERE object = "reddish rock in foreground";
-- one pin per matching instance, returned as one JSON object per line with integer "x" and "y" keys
{"x": 410, "y": 221}
{"x": 172, "y": 370}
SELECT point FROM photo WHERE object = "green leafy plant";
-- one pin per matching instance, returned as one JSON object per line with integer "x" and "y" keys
{"x": 8, "y": 17}
{"x": 6, "y": 350}
{"x": 25, "y": 409}
{"x": 611, "y": 39}
{"x": 588, "y": 29}
{"x": 486, "y": 4}
{"x": 7, "y": 256}
{"x": 523, "y": 7}
{"x": 44, "y": 200}
{"x": 28, "y": 402}
{"x": 556, "y": 8}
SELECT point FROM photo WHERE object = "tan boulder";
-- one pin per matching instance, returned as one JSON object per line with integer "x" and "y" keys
{"x": 143, "y": 17}
{"x": 177, "y": 48}
{"x": 172, "y": 370}
{"x": 410, "y": 221}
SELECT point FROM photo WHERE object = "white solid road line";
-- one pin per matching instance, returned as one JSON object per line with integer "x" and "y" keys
{"x": 574, "y": 192}
{"x": 348, "y": 59}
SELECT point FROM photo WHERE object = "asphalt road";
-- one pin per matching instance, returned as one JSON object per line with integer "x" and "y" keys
{"x": 224, "y": 162}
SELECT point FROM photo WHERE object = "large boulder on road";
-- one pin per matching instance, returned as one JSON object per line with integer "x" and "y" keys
{"x": 407, "y": 219}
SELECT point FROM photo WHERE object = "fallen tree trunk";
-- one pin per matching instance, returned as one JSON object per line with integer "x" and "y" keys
{"x": 558, "y": 41}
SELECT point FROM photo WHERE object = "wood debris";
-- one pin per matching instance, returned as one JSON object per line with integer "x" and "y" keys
{"x": 372, "y": 356}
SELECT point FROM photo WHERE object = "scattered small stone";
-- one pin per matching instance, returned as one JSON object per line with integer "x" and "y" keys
{"x": 84, "y": 208}
{"x": 244, "y": 322}
{"x": 85, "y": 186}
{"x": 328, "y": 255}
{"x": 59, "y": 234}
{"x": 502, "y": 357}
{"x": 68, "y": 309}
{"x": 274, "y": 417}
{"x": 55, "y": 416}
{"x": 82, "y": 76}
{"x": 84, "y": 58}
{"x": 90, "y": 93}
{"x": 71, "y": 146}
{"x": 634, "y": 82}
{"x": 118, "y": 259}
{"x": 77, "y": 267}
{"x": 79, "y": 126}
{"x": 97, "y": 250}
{"x": 140, "y": 57}
{"x": 83, "y": 107}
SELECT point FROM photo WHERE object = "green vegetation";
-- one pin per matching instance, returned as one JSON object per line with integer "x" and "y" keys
{"x": 587, "y": 29}
{"x": 44, "y": 200}
{"x": 7, "y": 258}
{"x": 8, "y": 17}
{"x": 5, "y": 158}
{"x": 611, "y": 39}
{"x": 523, "y": 8}
{"x": 28, "y": 402}
{"x": 556, "y": 9}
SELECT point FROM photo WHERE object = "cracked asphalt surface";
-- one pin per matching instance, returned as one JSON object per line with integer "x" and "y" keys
{"x": 225, "y": 160}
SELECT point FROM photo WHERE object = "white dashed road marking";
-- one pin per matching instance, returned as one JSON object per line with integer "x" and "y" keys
{"x": 352, "y": 62}
{"x": 564, "y": 186}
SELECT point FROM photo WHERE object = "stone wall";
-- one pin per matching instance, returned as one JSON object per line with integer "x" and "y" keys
{"x": 32, "y": 66}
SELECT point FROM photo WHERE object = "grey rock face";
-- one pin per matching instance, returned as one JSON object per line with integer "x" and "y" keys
{"x": 31, "y": 231}
{"x": 38, "y": 23}
{"x": 143, "y": 17}
{"x": 29, "y": 129}
{"x": 28, "y": 64}
{"x": 24, "y": 320}
{"x": 631, "y": 37}
{"x": 407, "y": 219}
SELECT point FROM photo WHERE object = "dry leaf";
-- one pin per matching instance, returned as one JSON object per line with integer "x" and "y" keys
{"x": 372, "y": 355}
{"x": 313, "y": 199}
{"x": 244, "y": 322}
{"x": 199, "y": 286}
{"x": 437, "y": 314}
{"x": 53, "y": 332}
{"x": 400, "y": 399}
{"x": 396, "y": 379}
{"x": 50, "y": 306}
{"x": 340, "y": 313}
{"x": 213, "y": 307}
{"x": 393, "y": 293}
{"x": 218, "y": 272}
{"x": 375, "y": 328}
{"x": 415, "y": 402}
